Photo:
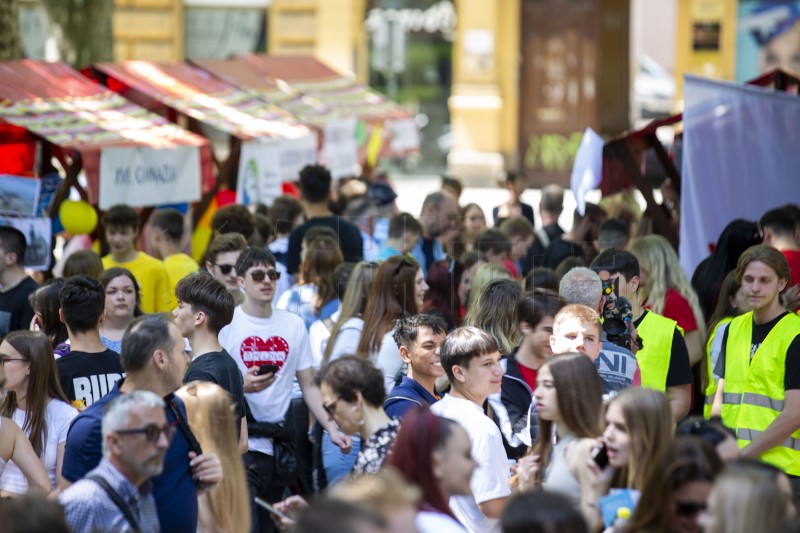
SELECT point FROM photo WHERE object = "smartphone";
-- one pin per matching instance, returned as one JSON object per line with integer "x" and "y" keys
{"x": 268, "y": 369}
{"x": 272, "y": 510}
{"x": 600, "y": 456}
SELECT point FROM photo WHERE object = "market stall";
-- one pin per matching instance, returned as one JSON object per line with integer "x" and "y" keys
{"x": 126, "y": 153}
{"x": 358, "y": 125}
{"x": 266, "y": 145}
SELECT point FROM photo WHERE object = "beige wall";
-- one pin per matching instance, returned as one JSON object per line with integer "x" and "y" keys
{"x": 484, "y": 100}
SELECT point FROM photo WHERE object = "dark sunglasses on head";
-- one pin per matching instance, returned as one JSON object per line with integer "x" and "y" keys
{"x": 689, "y": 508}
{"x": 225, "y": 269}
{"x": 408, "y": 260}
{"x": 151, "y": 432}
{"x": 259, "y": 275}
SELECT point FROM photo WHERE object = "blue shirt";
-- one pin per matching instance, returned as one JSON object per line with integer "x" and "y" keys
{"x": 405, "y": 396}
{"x": 428, "y": 252}
{"x": 174, "y": 490}
{"x": 386, "y": 252}
{"x": 89, "y": 508}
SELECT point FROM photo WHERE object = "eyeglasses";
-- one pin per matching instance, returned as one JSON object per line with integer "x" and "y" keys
{"x": 689, "y": 508}
{"x": 225, "y": 269}
{"x": 151, "y": 432}
{"x": 330, "y": 408}
{"x": 408, "y": 260}
{"x": 259, "y": 275}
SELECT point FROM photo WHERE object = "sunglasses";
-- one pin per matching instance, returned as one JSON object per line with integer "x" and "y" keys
{"x": 225, "y": 269}
{"x": 151, "y": 432}
{"x": 330, "y": 408}
{"x": 259, "y": 275}
{"x": 689, "y": 508}
{"x": 408, "y": 260}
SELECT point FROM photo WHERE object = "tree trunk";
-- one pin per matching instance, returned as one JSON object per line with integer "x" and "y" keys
{"x": 10, "y": 41}
{"x": 84, "y": 30}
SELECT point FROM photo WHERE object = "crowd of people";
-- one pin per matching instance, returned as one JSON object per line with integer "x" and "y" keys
{"x": 331, "y": 364}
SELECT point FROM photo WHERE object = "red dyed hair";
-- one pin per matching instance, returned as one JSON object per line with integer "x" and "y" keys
{"x": 420, "y": 434}
{"x": 442, "y": 294}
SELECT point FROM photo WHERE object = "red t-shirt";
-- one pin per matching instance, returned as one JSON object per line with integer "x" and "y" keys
{"x": 793, "y": 258}
{"x": 678, "y": 309}
{"x": 528, "y": 374}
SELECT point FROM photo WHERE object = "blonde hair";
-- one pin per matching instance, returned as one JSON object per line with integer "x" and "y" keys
{"x": 658, "y": 257}
{"x": 485, "y": 274}
{"x": 746, "y": 498}
{"x": 580, "y": 312}
{"x": 493, "y": 310}
{"x": 212, "y": 418}
{"x": 648, "y": 419}
{"x": 385, "y": 492}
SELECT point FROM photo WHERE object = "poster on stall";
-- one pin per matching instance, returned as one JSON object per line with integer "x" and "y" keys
{"x": 767, "y": 36}
{"x": 259, "y": 179}
{"x": 19, "y": 195}
{"x": 145, "y": 176}
{"x": 339, "y": 148}
{"x": 39, "y": 236}
{"x": 294, "y": 154}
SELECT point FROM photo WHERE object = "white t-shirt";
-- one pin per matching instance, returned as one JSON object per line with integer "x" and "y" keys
{"x": 58, "y": 416}
{"x": 490, "y": 479}
{"x": 389, "y": 362}
{"x": 347, "y": 338}
{"x": 281, "y": 340}
{"x": 430, "y": 522}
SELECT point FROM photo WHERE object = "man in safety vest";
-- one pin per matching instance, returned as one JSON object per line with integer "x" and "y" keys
{"x": 663, "y": 358}
{"x": 759, "y": 393}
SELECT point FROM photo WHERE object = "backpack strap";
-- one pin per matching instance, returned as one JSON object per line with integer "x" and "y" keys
{"x": 117, "y": 499}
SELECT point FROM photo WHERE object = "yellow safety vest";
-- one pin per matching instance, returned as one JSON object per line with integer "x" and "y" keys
{"x": 754, "y": 395}
{"x": 656, "y": 332}
{"x": 711, "y": 390}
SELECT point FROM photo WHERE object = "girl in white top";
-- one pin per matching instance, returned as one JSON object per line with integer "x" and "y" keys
{"x": 398, "y": 290}
{"x": 37, "y": 404}
{"x": 569, "y": 400}
{"x": 348, "y": 323}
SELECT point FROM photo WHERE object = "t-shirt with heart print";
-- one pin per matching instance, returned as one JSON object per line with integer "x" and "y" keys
{"x": 280, "y": 340}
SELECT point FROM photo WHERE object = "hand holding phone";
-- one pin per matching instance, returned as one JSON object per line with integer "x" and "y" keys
{"x": 600, "y": 456}
{"x": 267, "y": 369}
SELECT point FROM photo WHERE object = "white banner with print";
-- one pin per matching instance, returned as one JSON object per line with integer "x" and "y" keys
{"x": 145, "y": 176}
{"x": 340, "y": 149}
{"x": 740, "y": 159}
{"x": 294, "y": 154}
{"x": 259, "y": 172}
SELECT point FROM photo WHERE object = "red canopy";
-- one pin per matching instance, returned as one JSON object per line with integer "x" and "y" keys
{"x": 56, "y": 103}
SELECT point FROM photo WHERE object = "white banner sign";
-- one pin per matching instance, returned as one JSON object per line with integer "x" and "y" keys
{"x": 259, "y": 173}
{"x": 340, "y": 151}
{"x": 405, "y": 135}
{"x": 294, "y": 154}
{"x": 143, "y": 177}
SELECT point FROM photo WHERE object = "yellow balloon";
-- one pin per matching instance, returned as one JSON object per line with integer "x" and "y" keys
{"x": 77, "y": 217}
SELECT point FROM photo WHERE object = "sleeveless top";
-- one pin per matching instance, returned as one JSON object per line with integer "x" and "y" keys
{"x": 558, "y": 478}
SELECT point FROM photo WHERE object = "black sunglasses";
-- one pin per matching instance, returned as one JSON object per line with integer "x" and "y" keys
{"x": 689, "y": 508}
{"x": 408, "y": 260}
{"x": 259, "y": 275}
{"x": 225, "y": 269}
{"x": 151, "y": 432}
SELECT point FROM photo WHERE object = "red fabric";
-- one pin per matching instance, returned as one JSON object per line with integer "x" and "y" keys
{"x": 678, "y": 309}
{"x": 528, "y": 374}
{"x": 793, "y": 257}
{"x": 511, "y": 267}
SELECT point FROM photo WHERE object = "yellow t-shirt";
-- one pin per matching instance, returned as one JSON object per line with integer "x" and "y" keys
{"x": 152, "y": 278}
{"x": 178, "y": 266}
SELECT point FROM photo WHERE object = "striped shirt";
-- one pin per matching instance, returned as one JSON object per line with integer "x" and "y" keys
{"x": 89, "y": 509}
